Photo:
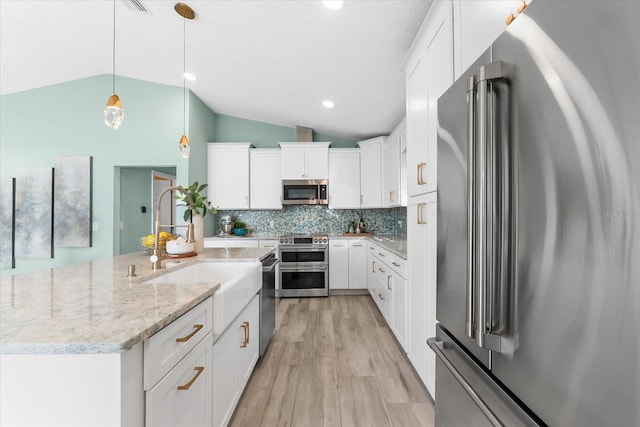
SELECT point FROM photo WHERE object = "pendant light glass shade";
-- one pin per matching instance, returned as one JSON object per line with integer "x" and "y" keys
{"x": 113, "y": 113}
{"x": 183, "y": 146}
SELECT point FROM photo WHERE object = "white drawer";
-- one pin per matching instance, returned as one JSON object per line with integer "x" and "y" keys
{"x": 165, "y": 349}
{"x": 270, "y": 243}
{"x": 398, "y": 264}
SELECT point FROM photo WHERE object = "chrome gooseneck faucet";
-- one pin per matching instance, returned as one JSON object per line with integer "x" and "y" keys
{"x": 155, "y": 258}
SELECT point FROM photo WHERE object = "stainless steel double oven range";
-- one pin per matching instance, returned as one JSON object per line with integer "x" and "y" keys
{"x": 304, "y": 265}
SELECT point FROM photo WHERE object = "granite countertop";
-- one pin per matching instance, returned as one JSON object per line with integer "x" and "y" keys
{"x": 93, "y": 307}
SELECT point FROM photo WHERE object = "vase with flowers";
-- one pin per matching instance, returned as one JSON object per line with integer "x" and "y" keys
{"x": 197, "y": 211}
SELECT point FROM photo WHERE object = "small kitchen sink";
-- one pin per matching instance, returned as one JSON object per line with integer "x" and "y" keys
{"x": 239, "y": 282}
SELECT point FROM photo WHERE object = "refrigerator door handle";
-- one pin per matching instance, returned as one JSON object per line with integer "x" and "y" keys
{"x": 470, "y": 324}
{"x": 438, "y": 346}
{"x": 481, "y": 212}
{"x": 484, "y": 277}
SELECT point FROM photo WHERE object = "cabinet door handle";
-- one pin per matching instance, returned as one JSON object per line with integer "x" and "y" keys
{"x": 245, "y": 328}
{"x": 388, "y": 283}
{"x": 199, "y": 370}
{"x": 420, "y": 207}
{"x": 391, "y": 196}
{"x": 381, "y": 297}
{"x": 420, "y": 173}
{"x": 361, "y": 198}
{"x": 373, "y": 267}
{"x": 196, "y": 328}
{"x": 396, "y": 264}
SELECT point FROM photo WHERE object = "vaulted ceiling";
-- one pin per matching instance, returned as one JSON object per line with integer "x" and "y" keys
{"x": 265, "y": 60}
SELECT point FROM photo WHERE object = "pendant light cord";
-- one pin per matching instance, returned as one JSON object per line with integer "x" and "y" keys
{"x": 113, "y": 74}
{"x": 184, "y": 79}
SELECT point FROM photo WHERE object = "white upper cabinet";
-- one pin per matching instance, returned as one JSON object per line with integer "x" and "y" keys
{"x": 391, "y": 194}
{"x": 265, "y": 179}
{"x": 476, "y": 25}
{"x": 344, "y": 178}
{"x": 429, "y": 72}
{"x": 228, "y": 174}
{"x": 305, "y": 160}
{"x": 371, "y": 172}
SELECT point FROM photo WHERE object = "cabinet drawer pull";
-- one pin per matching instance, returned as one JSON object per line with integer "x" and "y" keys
{"x": 420, "y": 169}
{"x": 380, "y": 253}
{"x": 381, "y": 297}
{"x": 396, "y": 264}
{"x": 199, "y": 370}
{"x": 245, "y": 328}
{"x": 357, "y": 246}
{"x": 196, "y": 328}
{"x": 381, "y": 270}
{"x": 420, "y": 215}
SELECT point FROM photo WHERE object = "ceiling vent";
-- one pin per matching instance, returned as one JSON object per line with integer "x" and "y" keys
{"x": 135, "y": 5}
{"x": 304, "y": 134}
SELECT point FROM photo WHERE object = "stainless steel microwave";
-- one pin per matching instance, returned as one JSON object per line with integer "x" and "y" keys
{"x": 305, "y": 192}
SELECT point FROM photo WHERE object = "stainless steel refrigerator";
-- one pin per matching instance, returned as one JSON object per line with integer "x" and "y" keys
{"x": 538, "y": 297}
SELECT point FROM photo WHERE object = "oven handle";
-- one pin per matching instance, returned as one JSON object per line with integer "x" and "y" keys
{"x": 297, "y": 248}
{"x": 308, "y": 269}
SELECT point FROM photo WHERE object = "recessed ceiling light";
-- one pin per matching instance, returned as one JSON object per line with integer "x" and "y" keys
{"x": 333, "y": 4}
{"x": 328, "y": 104}
{"x": 190, "y": 76}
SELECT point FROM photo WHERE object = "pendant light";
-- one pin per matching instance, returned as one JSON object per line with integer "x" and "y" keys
{"x": 187, "y": 13}
{"x": 113, "y": 113}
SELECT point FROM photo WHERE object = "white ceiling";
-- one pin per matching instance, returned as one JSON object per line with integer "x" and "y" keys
{"x": 265, "y": 60}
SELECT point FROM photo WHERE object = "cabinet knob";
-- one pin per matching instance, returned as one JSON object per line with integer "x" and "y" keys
{"x": 509, "y": 19}
{"x": 522, "y": 6}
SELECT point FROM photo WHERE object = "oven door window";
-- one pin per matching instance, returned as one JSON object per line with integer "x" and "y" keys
{"x": 300, "y": 192}
{"x": 302, "y": 279}
{"x": 306, "y": 256}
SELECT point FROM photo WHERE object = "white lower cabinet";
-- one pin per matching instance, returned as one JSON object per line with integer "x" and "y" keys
{"x": 386, "y": 276}
{"x": 183, "y": 396}
{"x": 357, "y": 264}
{"x": 338, "y": 264}
{"x": 235, "y": 354}
{"x": 347, "y": 264}
{"x": 422, "y": 262}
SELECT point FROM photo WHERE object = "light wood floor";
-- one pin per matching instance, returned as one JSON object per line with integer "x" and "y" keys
{"x": 333, "y": 362}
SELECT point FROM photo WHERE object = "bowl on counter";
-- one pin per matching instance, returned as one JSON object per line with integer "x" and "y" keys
{"x": 239, "y": 231}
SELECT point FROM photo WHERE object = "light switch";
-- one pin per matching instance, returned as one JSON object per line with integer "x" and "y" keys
{"x": 94, "y": 226}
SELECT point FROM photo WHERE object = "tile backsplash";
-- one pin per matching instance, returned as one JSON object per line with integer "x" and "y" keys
{"x": 306, "y": 219}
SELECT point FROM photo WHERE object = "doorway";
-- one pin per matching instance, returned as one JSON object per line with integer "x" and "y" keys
{"x": 138, "y": 191}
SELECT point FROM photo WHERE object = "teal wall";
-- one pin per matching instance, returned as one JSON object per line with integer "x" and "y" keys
{"x": 66, "y": 119}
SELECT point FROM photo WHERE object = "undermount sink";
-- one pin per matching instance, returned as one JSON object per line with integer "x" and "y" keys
{"x": 239, "y": 282}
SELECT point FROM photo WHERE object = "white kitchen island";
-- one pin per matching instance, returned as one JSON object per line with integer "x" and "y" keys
{"x": 75, "y": 341}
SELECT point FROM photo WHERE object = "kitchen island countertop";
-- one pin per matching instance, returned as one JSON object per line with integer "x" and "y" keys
{"x": 93, "y": 307}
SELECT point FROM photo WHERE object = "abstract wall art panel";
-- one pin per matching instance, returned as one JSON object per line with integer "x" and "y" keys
{"x": 34, "y": 213}
{"x": 72, "y": 202}
{"x": 7, "y": 223}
